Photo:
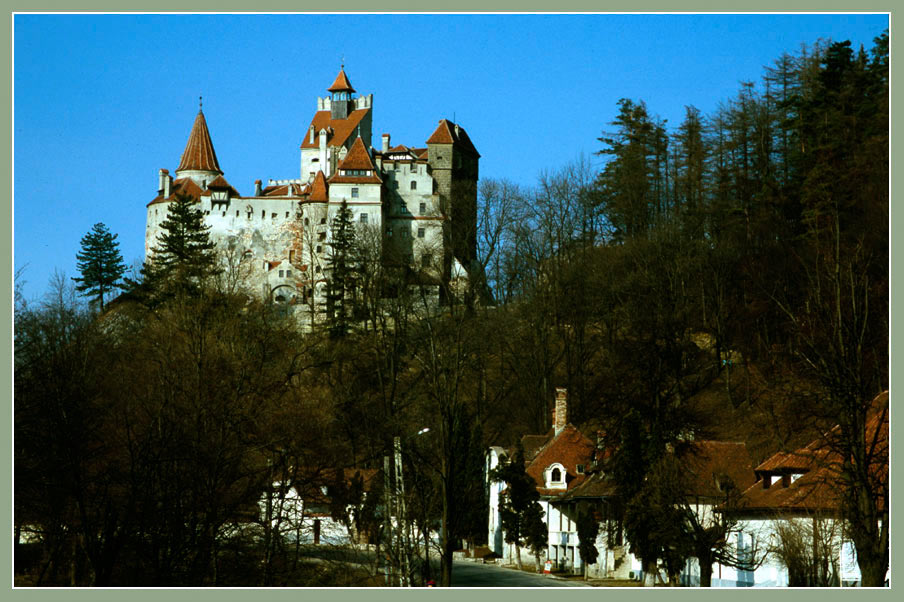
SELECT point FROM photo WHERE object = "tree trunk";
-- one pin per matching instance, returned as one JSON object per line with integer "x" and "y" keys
{"x": 706, "y": 572}
{"x": 518, "y": 557}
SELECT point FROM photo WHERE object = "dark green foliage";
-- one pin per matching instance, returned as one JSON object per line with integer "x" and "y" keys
{"x": 342, "y": 270}
{"x": 184, "y": 258}
{"x": 519, "y": 509}
{"x": 100, "y": 264}
{"x": 588, "y": 528}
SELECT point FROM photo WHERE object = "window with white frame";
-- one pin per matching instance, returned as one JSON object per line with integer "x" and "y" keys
{"x": 555, "y": 476}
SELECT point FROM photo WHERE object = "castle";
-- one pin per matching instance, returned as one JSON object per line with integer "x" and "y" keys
{"x": 416, "y": 205}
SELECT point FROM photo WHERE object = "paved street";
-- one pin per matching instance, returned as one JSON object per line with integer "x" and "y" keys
{"x": 470, "y": 574}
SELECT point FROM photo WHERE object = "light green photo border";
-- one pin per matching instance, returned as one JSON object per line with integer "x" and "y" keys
{"x": 431, "y": 6}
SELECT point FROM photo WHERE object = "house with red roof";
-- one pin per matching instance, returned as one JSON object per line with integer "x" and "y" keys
{"x": 799, "y": 493}
{"x": 416, "y": 204}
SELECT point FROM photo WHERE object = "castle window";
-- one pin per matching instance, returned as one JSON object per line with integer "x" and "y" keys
{"x": 263, "y": 214}
{"x": 288, "y": 273}
{"x": 421, "y": 232}
{"x": 321, "y": 236}
{"x": 423, "y": 208}
{"x": 281, "y": 273}
{"x": 413, "y": 169}
{"x": 580, "y": 469}
{"x": 363, "y": 218}
{"x": 236, "y": 213}
{"x": 354, "y": 193}
{"x": 413, "y": 185}
{"x": 317, "y": 269}
{"x": 273, "y": 215}
{"x": 224, "y": 214}
{"x": 556, "y": 476}
{"x": 322, "y": 220}
{"x": 426, "y": 259}
{"x": 307, "y": 221}
{"x": 287, "y": 214}
{"x": 319, "y": 249}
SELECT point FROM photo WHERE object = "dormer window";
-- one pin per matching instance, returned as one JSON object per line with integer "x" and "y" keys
{"x": 555, "y": 476}
{"x": 579, "y": 469}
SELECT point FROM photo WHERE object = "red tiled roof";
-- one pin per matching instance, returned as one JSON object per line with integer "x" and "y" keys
{"x": 220, "y": 183}
{"x": 357, "y": 158}
{"x": 569, "y": 448}
{"x": 319, "y": 189}
{"x": 446, "y": 133}
{"x": 199, "y": 153}
{"x": 341, "y": 84}
{"x": 820, "y": 486}
{"x": 708, "y": 462}
{"x": 341, "y": 128}
{"x": 182, "y": 186}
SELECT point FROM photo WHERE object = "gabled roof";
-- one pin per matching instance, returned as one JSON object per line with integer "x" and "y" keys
{"x": 448, "y": 133}
{"x": 341, "y": 84}
{"x": 220, "y": 183}
{"x": 569, "y": 448}
{"x": 341, "y": 129}
{"x": 359, "y": 159}
{"x": 199, "y": 154}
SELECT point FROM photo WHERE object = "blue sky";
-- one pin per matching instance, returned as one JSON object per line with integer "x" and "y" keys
{"x": 104, "y": 101}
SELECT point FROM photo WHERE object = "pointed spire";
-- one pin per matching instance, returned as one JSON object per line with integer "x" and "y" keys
{"x": 341, "y": 84}
{"x": 199, "y": 154}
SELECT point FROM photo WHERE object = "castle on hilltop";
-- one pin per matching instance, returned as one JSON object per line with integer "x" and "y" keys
{"x": 417, "y": 204}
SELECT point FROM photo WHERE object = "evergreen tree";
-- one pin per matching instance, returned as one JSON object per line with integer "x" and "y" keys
{"x": 519, "y": 508}
{"x": 342, "y": 268}
{"x": 99, "y": 263}
{"x": 184, "y": 256}
{"x": 588, "y": 529}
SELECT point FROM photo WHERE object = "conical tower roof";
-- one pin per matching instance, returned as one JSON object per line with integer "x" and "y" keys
{"x": 199, "y": 154}
{"x": 341, "y": 84}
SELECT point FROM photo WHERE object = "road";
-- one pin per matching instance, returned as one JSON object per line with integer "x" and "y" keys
{"x": 471, "y": 574}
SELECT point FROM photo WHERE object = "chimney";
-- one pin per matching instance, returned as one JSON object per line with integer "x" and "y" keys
{"x": 385, "y": 143}
{"x": 161, "y": 178}
{"x": 457, "y": 134}
{"x": 167, "y": 180}
{"x": 258, "y": 191}
{"x": 560, "y": 414}
{"x": 311, "y": 134}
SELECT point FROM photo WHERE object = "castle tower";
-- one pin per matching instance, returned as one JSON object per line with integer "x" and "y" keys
{"x": 339, "y": 120}
{"x": 342, "y": 102}
{"x": 199, "y": 161}
{"x": 454, "y": 162}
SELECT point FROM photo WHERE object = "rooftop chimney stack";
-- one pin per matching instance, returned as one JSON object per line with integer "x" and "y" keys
{"x": 385, "y": 143}
{"x": 161, "y": 178}
{"x": 560, "y": 414}
{"x": 258, "y": 190}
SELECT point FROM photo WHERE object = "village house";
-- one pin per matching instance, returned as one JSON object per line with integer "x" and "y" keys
{"x": 567, "y": 467}
{"x": 798, "y": 494}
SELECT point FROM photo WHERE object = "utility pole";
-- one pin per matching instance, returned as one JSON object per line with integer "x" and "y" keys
{"x": 402, "y": 531}
{"x": 387, "y": 520}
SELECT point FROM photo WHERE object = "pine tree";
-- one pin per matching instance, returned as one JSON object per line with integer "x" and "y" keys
{"x": 184, "y": 256}
{"x": 342, "y": 269}
{"x": 99, "y": 263}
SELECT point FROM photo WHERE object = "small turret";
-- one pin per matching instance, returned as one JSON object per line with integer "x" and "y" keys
{"x": 342, "y": 102}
